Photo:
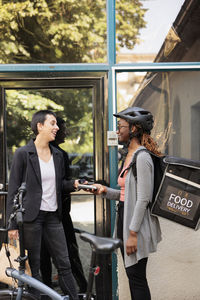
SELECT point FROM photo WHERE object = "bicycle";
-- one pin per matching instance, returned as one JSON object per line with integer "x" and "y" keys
{"x": 99, "y": 245}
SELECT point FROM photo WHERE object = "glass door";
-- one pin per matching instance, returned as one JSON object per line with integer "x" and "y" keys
{"x": 2, "y": 169}
{"x": 73, "y": 106}
{"x": 80, "y": 103}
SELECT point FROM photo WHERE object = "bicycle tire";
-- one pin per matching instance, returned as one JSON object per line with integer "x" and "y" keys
{"x": 7, "y": 294}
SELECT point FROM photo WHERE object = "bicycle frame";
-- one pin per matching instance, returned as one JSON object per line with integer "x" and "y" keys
{"x": 23, "y": 278}
{"x": 26, "y": 279}
{"x": 20, "y": 275}
{"x": 99, "y": 245}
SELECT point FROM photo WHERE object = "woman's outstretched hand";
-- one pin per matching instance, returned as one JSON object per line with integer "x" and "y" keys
{"x": 100, "y": 189}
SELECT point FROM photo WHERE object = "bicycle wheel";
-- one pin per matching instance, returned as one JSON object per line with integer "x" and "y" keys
{"x": 7, "y": 294}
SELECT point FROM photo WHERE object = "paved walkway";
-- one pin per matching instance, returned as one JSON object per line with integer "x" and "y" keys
{"x": 174, "y": 270}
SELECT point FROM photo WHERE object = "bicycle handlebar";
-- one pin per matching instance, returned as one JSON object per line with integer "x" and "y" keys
{"x": 4, "y": 229}
{"x": 22, "y": 188}
{"x": 3, "y": 193}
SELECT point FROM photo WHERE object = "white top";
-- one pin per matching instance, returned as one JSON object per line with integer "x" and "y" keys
{"x": 49, "y": 201}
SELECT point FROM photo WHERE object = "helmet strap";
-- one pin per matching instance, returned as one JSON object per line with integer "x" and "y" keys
{"x": 135, "y": 134}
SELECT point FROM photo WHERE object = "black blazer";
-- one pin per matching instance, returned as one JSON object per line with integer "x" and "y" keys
{"x": 25, "y": 168}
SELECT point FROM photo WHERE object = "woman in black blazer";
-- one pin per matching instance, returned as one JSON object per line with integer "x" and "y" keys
{"x": 41, "y": 166}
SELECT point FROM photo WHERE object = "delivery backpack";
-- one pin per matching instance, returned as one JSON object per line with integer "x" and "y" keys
{"x": 176, "y": 193}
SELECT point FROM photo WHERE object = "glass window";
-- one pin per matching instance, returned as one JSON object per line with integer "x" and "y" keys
{"x": 59, "y": 31}
{"x": 1, "y": 146}
{"x": 73, "y": 105}
{"x": 173, "y": 98}
{"x": 165, "y": 31}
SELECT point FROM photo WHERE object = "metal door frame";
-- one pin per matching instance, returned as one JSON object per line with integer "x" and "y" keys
{"x": 96, "y": 82}
{"x": 111, "y": 68}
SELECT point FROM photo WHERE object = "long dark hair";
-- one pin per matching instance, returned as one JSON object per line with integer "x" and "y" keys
{"x": 145, "y": 139}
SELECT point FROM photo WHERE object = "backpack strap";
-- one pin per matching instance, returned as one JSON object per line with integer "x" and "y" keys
{"x": 133, "y": 164}
{"x": 121, "y": 166}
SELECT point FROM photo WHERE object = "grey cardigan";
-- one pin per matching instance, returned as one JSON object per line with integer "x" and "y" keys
{"x": 137, "y": 216}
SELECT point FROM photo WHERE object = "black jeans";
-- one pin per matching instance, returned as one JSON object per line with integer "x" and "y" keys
{"x": 136, "y": 273}
{"x": 76, "y": 265}
{"x": 48, "y": 224}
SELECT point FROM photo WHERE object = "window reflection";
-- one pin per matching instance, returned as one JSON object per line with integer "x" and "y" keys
{"x": 81, "y": 165}
{"x": 171, "y": 33}
{"x": 173, "y": 98}
{"x": 1, "y": 147}
{"x": 53, "y": 31}
{"x": 75, "y": 107}
{"x": 76, "y": 31}
{"x": 130, "y": 19}
{"x": 182, "y": 40}
{"x": 167, "y": 37}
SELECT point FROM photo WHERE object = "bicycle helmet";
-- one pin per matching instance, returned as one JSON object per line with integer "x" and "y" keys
{"x": 137, "y": 115}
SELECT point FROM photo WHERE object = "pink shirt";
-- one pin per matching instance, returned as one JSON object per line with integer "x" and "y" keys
{"x": 121, "y": 182}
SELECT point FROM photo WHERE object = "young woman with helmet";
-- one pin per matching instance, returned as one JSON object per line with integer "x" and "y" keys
{"x": 139, "y": 230}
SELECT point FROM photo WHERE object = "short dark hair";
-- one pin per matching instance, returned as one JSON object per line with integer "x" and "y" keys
{"x": 60, "y": 121}
{"x": 40, "y": 117}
